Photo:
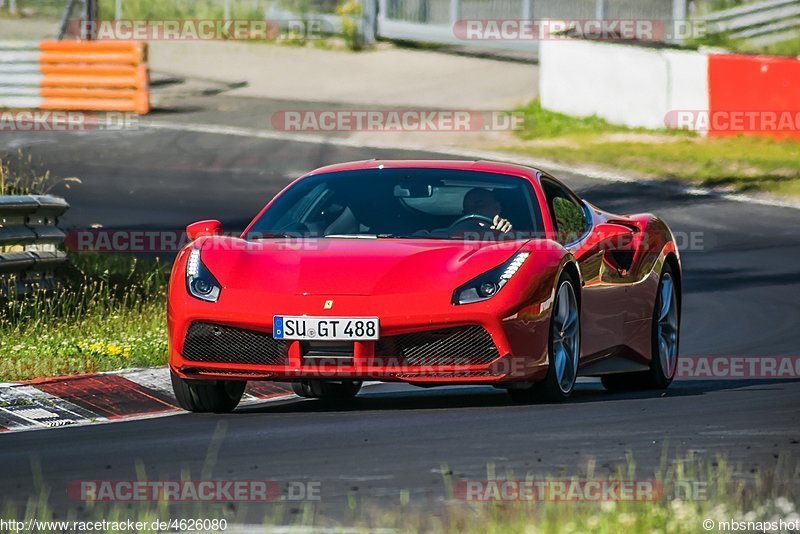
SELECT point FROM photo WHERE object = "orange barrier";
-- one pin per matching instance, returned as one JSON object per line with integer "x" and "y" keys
{"x": 93, "y": 104}
{"x": 79, "y": 76}
{"x": 85, "y": 92}
{"x": 86, "y": 76}
{"x": 754, "y": 95}
{"x": 90, "y": 56}
{"x": 97, "y": 46}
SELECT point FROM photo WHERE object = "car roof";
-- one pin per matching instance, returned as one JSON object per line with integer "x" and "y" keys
{"x": 464, "y": 165}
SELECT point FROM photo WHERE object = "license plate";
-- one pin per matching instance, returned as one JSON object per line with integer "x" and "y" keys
{"x": 325, "y": 328}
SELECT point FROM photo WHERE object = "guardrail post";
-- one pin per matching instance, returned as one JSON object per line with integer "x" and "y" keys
{"x": 369, "y": 21}
{"x": 455, "y": 12}
{"x": 62, "y": 27}
{"x": 600, "y": 9}
{"x": 527, "y": 9}
{"x": 679, "y": 21}
{"x": 383, "y": 12}
{"x": 88, "y": 30}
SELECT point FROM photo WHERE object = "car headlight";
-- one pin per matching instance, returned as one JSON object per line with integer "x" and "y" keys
{"x": 489, "y": 283}
{"x": 200, "y": 283}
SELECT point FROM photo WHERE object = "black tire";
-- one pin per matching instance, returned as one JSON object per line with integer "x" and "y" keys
{"x": 219, "y": 396}
{"x": 549, "y": 389}
{"x": 655, "y": 377}
{"x": 325, "y": 390}
{"x": 625, "y": 381}
{"x": 303, "y": 389}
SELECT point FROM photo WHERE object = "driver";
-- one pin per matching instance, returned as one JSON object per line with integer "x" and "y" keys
{"x": 483, "y": 202}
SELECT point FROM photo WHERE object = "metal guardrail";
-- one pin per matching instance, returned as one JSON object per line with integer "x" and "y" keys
{"x": 765, "y": 22}
{"x": 433, "y": 21}
{"x": 31, "y": 244}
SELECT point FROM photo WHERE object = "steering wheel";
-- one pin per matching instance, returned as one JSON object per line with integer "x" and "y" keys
{"x": 470, "y": 217}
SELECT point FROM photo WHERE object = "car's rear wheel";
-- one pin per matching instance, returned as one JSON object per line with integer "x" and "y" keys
{"x": 665, "y": 334}
{"x": 327, "y": 390}
{"x": 564, "y": 349}
{"x": 207, "y": 395}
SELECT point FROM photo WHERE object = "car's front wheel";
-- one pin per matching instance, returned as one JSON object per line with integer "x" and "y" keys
{"x": 564, "y": 350}
{"x": 207, "y": 395}
{"x": 323, "y": 389}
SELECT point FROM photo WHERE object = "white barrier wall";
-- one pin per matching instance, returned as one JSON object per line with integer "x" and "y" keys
{"x": 624, "y": 84}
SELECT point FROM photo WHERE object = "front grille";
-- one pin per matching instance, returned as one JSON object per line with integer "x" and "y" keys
{"x": 206, "y": 342}
{"x": 464, "y": 345}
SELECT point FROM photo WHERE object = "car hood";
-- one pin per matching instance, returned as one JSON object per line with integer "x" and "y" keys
{"x": 344, "y": 266}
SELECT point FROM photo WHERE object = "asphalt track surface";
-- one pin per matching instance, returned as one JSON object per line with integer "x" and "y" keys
{"x": 741, "y": 294}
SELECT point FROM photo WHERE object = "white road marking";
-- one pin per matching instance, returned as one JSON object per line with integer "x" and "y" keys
{"x": 38, "y": 409}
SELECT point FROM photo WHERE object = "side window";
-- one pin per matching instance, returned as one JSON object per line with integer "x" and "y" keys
{"x": 568, "y": 215}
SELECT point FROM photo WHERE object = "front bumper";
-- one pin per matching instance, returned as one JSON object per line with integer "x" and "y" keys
{"x": 466, "y": 350}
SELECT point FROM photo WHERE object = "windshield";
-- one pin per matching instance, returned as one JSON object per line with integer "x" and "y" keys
{"x": 404, "y": 203}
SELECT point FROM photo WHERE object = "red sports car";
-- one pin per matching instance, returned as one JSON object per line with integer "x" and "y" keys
{"x": 425, "y": 272}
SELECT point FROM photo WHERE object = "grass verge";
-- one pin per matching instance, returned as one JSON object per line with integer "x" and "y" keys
{"x": 789, "y": 47}
{"x": 696, "y": 492}
{"x": 733, "y": 163}
{"x": 109, "y": 314}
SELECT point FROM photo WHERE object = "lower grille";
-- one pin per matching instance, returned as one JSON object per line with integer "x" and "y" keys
{"x": 206, "y": 342}
{"x": 447, "y": 374}
{"x": 218, "y": 372}
{"x": 464, "y": 345}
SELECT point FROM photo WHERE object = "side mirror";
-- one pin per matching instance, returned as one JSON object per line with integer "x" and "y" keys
{"x": 204, "y": 228}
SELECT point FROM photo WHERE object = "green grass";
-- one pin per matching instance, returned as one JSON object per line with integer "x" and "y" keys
{"x": 180, "y": 9}
{"x": 240, "y": 10}
{"x": 19, "y": 176}
{"x": 729, "y": 492}
{"x": 109, "y": 314}
{"x": 540, "y": 123}
{"x": 789, "y": 47}
{"x": 742, "y": 163}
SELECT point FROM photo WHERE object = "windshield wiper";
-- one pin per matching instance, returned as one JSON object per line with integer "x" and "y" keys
{"x": 272, "y": 235}
{"x": 352, "y": 236}
{"x": 396, "y": 236}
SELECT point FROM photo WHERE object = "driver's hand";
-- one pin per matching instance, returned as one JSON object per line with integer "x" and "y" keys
{"x": 500, "y": 224}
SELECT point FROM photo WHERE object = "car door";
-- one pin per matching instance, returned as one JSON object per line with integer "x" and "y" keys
{"x": 602, "y": 304}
